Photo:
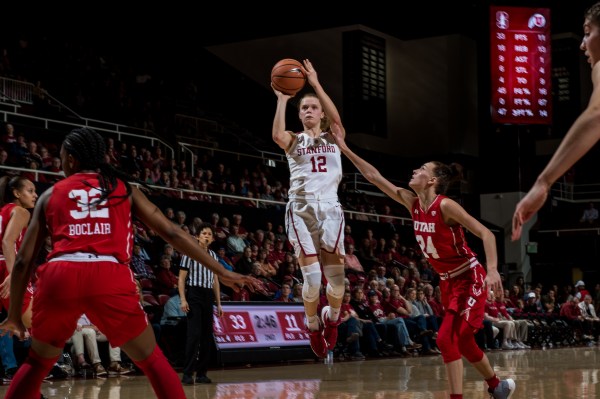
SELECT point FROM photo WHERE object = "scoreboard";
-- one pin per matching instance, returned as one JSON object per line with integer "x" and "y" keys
{"x": 520, "y": 51}
{"x": 251, "y": 325}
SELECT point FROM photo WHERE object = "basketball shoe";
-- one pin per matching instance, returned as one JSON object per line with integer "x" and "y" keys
{"x": 317, "y": 341}
{"x": 504, "y": 390}
{"x": 330, "y": 333}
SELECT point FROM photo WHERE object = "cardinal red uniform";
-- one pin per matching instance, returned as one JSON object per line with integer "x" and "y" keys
{"x": 5, "y": 215}
{"x": 92, "y": 245}
{"x": 447, "y": 251}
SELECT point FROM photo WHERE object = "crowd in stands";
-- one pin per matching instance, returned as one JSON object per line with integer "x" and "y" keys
{"x": 208, "y": 176}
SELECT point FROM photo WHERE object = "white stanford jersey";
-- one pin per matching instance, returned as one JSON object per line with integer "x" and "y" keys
{"x": 444, "y": 246}
{"x": 315, "y": 167}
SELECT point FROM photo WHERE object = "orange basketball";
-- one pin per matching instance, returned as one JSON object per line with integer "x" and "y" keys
{"x": 287, "y": 76}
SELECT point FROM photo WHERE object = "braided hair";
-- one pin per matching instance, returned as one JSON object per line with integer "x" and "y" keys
{"x": 446, "y": 175}
{"x": 593, "y": 14}
{"x": 89, "y": 148}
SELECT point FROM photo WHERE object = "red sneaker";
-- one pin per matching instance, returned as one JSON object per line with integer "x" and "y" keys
{"x": 330, "y": 333}
{"x": 317, "y": 342}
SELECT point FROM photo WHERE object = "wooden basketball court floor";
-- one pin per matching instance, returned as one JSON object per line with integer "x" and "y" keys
{"x": 565, "y": 373}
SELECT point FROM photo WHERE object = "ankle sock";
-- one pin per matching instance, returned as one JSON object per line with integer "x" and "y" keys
{"x": 493, "y": 382}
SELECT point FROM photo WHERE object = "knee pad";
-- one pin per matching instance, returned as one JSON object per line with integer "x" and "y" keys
{"x": 312, "y": 282}
{"x": 467, "y": 345}
{"x": 448, "y": 348}
{"x": 447, "y": 339}
{"x": 335, "y": 280}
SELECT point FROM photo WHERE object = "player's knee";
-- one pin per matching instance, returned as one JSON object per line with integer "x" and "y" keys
{"x": 335, "y": 291}
{"x": 448, "y": 348}
{"x": 335, "y": 280}
{"x": 443, "y": 341}
{"x": 469, "y": 349}
{"x": 310, "y": 293}
{"x": 312, "y": 282}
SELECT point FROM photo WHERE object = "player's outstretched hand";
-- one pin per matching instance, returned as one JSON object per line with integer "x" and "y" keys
{"x": 238, "y": 281}
{"x": 310, "y": 72}
{"x": 527, "y": 207}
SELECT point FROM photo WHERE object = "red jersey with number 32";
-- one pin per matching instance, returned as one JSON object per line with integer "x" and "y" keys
{"x": 444, "y": 246}
{"x": 4, "y": 219}
{"x": 75, "y": 226}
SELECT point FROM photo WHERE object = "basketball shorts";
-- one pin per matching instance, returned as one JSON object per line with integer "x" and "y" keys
{"x": 104, "y": 290}
{"x": 313, "y": 226}
{"x": 466, "y": 295}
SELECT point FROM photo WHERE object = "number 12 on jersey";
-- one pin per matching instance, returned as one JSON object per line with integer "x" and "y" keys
{"x": 319, "y": 164}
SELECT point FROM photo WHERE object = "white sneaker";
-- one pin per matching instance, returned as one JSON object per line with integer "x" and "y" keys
{"x": 524, "y": 345}
{"x": 518, "y": 345}
{"x": 507, "y": 346}
{"x": 504, "y": 390}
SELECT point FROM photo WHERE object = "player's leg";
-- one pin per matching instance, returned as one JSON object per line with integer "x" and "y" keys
{"x": 144, "y": 352}
{"x": 447, "y": 341}
{"x": 334, "y": 273}
{"x": 311, "y": 273}
{"x": 114, "y": 307}
{"x": 302, "y": 228}
{"x": 331, "y": 230}
{"x": 54, "y": 317}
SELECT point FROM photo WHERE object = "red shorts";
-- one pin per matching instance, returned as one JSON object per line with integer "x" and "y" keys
{"x": 105, "y": 291}
{"x": 6, "y": 301}
{"x": 465, "y": 295}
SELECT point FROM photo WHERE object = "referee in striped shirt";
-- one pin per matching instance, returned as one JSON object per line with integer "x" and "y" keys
{"x": 199, "y": 289}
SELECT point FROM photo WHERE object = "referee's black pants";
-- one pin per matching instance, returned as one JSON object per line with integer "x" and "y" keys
{"x": 199, "y": 338}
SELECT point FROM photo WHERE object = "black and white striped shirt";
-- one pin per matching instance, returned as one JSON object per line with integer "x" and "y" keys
{"x": 198, "y": 275}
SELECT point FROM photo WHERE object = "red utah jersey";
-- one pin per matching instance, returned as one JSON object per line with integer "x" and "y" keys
{"x": 76, "y": 226}
{"x": 5, "y": 212}
{"x": 444, "y": 246}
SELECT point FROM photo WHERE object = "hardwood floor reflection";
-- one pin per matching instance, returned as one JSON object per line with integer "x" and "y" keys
{"x": 540, "y": 374}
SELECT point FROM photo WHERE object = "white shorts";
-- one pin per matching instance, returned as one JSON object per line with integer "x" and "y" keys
{"x": 313, "y": 226}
